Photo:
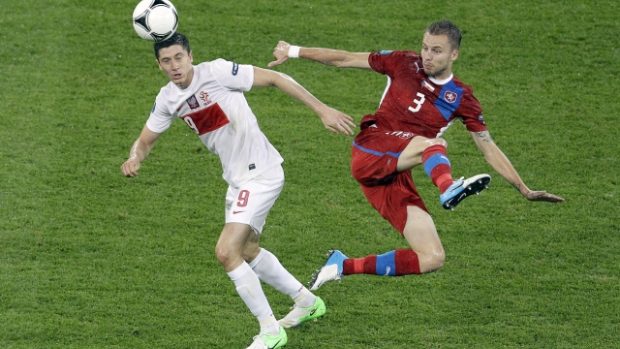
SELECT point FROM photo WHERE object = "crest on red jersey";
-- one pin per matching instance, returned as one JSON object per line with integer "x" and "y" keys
{"x": 450, "y": 96}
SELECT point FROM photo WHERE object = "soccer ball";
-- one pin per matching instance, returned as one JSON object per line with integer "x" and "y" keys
{"x": 155, "y": 20}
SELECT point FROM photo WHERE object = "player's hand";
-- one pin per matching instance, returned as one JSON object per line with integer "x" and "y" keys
{"x": 130, "y": 167}
{"x": 337, "y": 121}
{"x": 280, "y": 52}
{"x": 539, "y": 195}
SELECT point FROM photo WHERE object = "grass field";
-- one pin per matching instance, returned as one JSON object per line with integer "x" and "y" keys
{"x": 90, "y": 259}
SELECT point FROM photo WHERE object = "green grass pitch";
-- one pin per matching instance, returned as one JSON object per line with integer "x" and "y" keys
{"x": 90, "y": 259}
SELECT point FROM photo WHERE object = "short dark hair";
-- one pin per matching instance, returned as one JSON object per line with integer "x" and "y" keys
{"x": 176, "y": 39}
{"x": 445, "y": 27}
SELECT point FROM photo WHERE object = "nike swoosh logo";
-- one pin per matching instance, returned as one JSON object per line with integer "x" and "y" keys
{"x": 235, "y": 212}
{"x": 312, "y": 312}
{"x": 275, "y": 344}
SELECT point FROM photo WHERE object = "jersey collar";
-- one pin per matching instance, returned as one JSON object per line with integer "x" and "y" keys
{"x": 441, "y": 82}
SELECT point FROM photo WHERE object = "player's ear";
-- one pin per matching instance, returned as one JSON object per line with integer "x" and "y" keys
{"x": 159, "y": 64}
{"x": 191, "y": 58}
{"x": 454, "y": 54}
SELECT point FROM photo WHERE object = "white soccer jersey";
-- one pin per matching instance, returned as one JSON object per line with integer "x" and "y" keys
{"x": 214, "y": 106}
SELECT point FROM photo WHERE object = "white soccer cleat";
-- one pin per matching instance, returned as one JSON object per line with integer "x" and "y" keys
{"x": 461, "y": 189}
{"x": 331, "y": 270}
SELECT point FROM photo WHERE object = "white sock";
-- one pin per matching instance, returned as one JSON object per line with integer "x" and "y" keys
{"x": 249, "y": 289}
{"x": 269, "y": 269}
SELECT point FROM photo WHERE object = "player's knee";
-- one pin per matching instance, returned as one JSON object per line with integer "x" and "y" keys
{"x": 438, "y": 141}
{"x": 437, "y": 259}
{"x": 250, "y": 252}
{"x": 432, "y": 261}
{"x": 225, "y": 255}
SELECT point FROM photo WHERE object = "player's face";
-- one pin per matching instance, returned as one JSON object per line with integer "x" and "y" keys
{"x": 438, "y": 55}
{"x": 176, "y": 63}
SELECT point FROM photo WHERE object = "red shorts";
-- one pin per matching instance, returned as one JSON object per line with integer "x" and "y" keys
{"x": 373, "y": 164}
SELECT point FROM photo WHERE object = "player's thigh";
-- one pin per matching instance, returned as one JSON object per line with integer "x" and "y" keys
{"x": 375, "y": 154}
{"x": 392, "y": 199}
{"x": 411, "y": 156}
{"x": 232, "y": 244}
{"x": 234, "y": 236}
{"x": 421, "y": 233}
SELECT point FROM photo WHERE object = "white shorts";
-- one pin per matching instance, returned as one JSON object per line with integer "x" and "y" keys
{"x": 251, "y": 201}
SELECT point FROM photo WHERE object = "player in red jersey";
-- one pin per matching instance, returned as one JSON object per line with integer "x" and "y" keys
{"x": 420, "y": 102}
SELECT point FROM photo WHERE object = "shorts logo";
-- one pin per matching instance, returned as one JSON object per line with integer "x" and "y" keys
{"x": 235, "y": 69}
{"x": 192, "y": 102}
{"x": 450, "y": 96}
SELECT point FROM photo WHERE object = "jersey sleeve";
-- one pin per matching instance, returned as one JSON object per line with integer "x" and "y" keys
{"x": 160, "y": 118}
{"x": 232, "y": 75}
{"x": 470, "y": 112}
{"x": 386, "y": 62}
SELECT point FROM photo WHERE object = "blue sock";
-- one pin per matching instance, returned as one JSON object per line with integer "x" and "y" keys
{"x": 386, "y": 264}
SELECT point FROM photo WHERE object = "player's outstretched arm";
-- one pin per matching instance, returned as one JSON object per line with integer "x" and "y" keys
{"x": 139, "y": 151}
{"x": 338, "y": 58}
{"x": 500, "y": 163}
{"x": 332, "y": 119}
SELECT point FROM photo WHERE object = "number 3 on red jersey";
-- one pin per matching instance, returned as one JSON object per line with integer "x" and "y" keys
{"x": 417, "y": 103}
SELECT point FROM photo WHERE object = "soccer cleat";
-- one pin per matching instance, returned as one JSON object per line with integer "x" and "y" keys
{"x": 331, "y": 270}
{"x": 268, "y": 341}
{"x": 299, "y": 315}
{"x": 461, "y": 189}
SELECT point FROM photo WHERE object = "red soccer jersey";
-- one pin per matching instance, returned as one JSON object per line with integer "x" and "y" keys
{"x": 414, "y": 103}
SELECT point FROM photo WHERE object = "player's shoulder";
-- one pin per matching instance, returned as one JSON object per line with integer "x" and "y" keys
{"x": 406, "y": 54}
{"x": 167, "y": 91}
{"x": 221, "y": 67}
{"x": 466, "y": 87}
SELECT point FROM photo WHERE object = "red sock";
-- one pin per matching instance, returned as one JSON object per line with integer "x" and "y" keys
{"x": 400, "y": 262}
{"x": 364, "y": 265}
{"x": 407, "y": 262}
{"x": 437, "y": 166}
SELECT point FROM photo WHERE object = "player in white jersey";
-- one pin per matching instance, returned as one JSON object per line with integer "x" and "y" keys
{"x": 209, "y": 98}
